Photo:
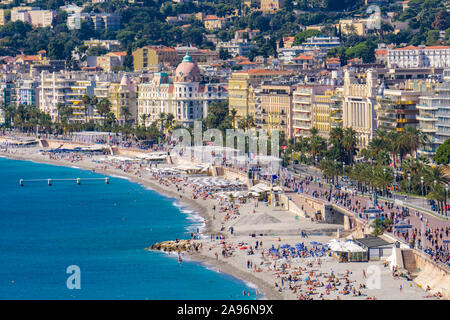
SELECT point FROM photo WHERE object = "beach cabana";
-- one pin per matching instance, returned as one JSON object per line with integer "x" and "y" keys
{"x": 260, "y": 187}
{"x": 348, "y": 251}
{"x": 377, "y": 247}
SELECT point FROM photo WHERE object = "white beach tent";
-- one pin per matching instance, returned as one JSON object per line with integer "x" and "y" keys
{"x": 260, "y": 187}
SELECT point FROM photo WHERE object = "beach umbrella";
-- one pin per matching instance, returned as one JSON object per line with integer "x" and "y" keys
{"x": 243, "y": 248}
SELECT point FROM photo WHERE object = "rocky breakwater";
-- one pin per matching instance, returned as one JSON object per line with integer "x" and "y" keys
{"x": 175, "y": 246}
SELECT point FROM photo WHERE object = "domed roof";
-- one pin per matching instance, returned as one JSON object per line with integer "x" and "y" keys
{"x": 381, "y": 88}
{"x": 126, "y": 82}
{"x": 187, "y": 70}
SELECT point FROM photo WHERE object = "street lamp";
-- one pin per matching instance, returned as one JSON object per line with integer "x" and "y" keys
{"x": 384, "y": 176}
{"x": 409, "y": 179}
{"x": 393, "y": 186}
{"x": 423, "y": 201}
{"x": 446, "y": 198}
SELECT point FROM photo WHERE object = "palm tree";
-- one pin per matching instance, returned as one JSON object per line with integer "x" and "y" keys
{"x": 439, "y": 194}
{"x": 435, "y": 175}
{"x": 9, "y": 114}
{"x": 316, "y": 145}
{"x": 88, "y": 103}
{"x": 64, "y": 113}
{"x": 411, "y": 139}
{"x": 383, "y": 177}
{"x": 169, "y": 121}
{"x": 246, "y": 123}
{"x": 330, "y": 169}
{"x": 125, "y": 112}
{"x": 162, "y": 118}
{"x": 233, "y": 114}
{"x": 349, "y": 143}
{"x": 143, "y": 118}
{"x": 104, "y": 108}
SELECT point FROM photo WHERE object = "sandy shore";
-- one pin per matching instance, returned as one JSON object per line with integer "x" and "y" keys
{"x": 277, "y": 227}
{"x": 199, "y": 208}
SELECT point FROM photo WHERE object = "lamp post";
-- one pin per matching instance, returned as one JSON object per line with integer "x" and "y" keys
{"x": 393, "y": 186}
{"x": 446, "y": 198}
{"x": 409, "y": 180}
{"x": 384, "y": 176}
{"x": 423, "y": 199}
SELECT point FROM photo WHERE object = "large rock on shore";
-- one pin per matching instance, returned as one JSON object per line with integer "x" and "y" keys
{"x": 168, "y": 246}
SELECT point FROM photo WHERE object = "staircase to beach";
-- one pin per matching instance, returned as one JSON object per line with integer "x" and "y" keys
{"x": 409, "y": 260}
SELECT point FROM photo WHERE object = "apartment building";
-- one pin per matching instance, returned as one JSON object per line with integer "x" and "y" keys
{"x": 2, "y": 17}
{"x": 152, "y": 58}
{"x": 99, "y": 21}
{"x": 241, "y": 88}
{"x": 434, "y": 118}
{"x": 270, "y": 6}
{"x": 419, "y": 57}
{"x": 327, "y": 111}
{"x": 33, "y": 15}
{"x": 123, "y": 98}
{"x": 396, "y": 109}
{"x": 213, "y": 22}
{"x": 27, "y": 92}
{"x": 65, "y": 88}
{"x": 274, "y": 110}
{"x": 304, "y": 114}
{"x": 359, "y": 106}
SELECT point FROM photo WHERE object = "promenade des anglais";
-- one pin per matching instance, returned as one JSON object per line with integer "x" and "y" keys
{"x": 224, "y": 150}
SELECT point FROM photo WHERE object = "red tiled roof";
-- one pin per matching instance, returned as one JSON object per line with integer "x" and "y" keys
{"x": 424, "y": 48}
{"x": 303, "y": 57}
{"x": 28, "y": 58}
{"x": 246, "y": 62}
{"x": 118, "y": 53}
{"x": 265, "y": 71}
{"x": 407, "y": 48}
{"x": 212, "y": 17}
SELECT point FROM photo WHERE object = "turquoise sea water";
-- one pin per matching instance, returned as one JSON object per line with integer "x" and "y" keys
{"x": 101, "y": 228}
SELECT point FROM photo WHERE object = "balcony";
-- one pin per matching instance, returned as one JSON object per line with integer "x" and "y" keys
{"x": 426, "y": 107}
{"x": 295, "y": 117}
{"x": 425, "y": 118}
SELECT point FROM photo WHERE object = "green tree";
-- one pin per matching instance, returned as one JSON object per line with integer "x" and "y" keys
{"x": 303, "y": 35}
{"x": 443, "y": 153}
{"x": 104, "y": 108}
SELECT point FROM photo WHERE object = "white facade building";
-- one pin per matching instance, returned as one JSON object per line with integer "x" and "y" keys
{"x": 419, "y": 57}
{"x": 359, "y": 106}
{"x": 186, "y": 98}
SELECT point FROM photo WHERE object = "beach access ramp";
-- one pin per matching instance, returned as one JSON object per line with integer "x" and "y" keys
{"x": 43, "y": 143}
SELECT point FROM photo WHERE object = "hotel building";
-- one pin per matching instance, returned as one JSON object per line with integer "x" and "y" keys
{"x": 359, "y": 106}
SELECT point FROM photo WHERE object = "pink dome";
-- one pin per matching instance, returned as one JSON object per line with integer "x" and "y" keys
{"x": 187, "y": 70}
{"x": 126, "y": 82}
